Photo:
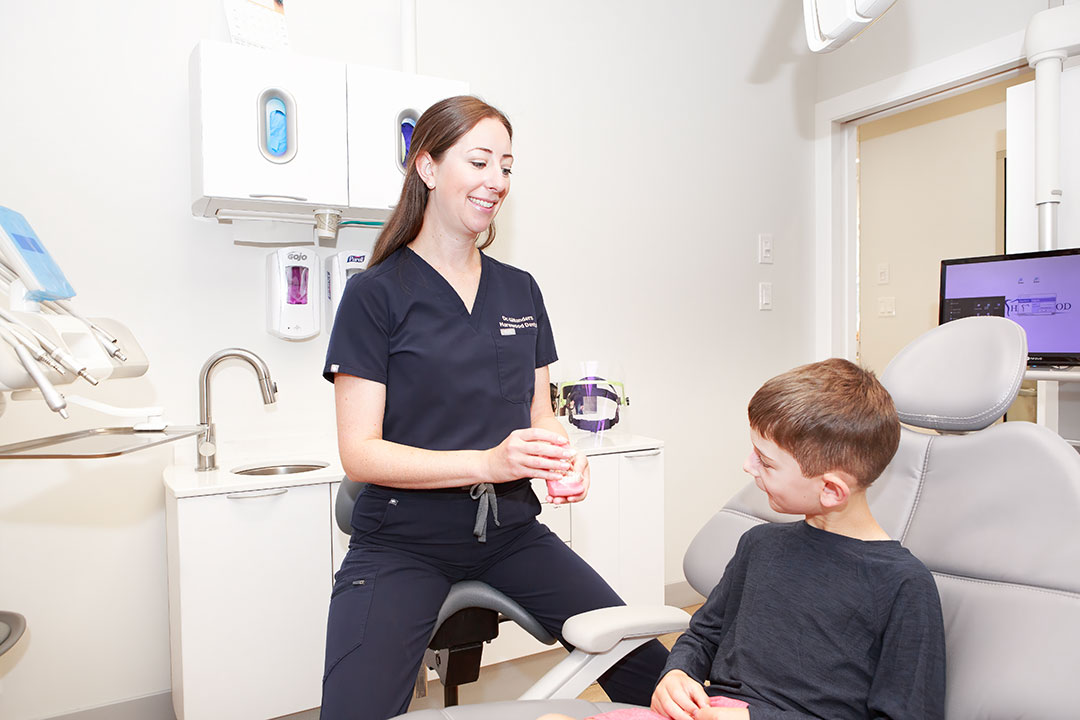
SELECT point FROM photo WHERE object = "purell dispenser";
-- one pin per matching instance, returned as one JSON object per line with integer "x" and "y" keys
{"x": 292, "y": 303}
{"x": 339, "y": 268}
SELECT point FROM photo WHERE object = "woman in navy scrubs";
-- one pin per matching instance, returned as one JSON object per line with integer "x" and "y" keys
{"x": 439, "y": 359}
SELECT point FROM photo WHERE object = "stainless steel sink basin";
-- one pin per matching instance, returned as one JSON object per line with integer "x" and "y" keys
{"x": 279, "y": 468}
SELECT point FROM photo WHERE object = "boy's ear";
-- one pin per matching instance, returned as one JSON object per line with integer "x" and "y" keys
{"x": 836, "y": 488}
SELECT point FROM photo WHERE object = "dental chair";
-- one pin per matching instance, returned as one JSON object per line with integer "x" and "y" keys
{"x": 992, "y": 510}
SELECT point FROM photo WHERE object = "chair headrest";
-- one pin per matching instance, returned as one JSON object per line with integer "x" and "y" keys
{"x": 960, "y": 376}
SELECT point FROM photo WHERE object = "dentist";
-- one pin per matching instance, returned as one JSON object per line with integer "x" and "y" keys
{"x": 439, "y": 358}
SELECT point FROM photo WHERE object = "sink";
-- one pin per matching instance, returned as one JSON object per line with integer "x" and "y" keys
{"x": 279, "y": 468}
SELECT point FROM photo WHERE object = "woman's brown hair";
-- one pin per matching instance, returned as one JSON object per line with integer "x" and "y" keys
{"x": 441, "y": 125}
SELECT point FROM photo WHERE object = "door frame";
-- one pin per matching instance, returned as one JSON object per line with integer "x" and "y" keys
{"x": 836, "y": 208}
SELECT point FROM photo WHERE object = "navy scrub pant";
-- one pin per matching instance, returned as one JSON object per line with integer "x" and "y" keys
{"x": 407, "y": 549}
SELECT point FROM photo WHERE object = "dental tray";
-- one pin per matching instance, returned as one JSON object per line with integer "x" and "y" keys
{"x": 95, "y": 443}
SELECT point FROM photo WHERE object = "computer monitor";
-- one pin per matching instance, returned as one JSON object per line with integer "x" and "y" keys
{"x": 1040, "y": 291}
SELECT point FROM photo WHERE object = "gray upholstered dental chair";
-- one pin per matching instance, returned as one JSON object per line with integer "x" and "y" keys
{"x": 468, "y": 618}
{"x": 12, "y": 625}
{"x": 992, "y": 510}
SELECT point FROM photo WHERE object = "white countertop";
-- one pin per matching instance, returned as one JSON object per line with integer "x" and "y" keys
{"x": 183, "y": 480}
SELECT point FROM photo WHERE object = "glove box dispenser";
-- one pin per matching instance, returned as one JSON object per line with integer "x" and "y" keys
{"x": 383, "y": 107}
{"x": 268, "y": 131}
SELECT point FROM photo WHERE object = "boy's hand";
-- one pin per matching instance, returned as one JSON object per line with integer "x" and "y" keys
{"x": 720, "y": 713}
{"x": 679, "y": 697}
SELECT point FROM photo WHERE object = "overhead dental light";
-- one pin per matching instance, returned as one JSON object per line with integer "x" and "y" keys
{"x": 831, "y": 23}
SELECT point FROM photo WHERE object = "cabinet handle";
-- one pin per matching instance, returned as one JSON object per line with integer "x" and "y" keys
{"x": 643, "y": 453}
{"x": 271, "y": 195}
{"x": 269, "y": 492}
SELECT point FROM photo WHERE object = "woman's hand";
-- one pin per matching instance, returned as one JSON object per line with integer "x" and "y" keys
{"x": 679, "y": 697}
{"x": 581, "y": 467}
{"x": 528, "y": 453}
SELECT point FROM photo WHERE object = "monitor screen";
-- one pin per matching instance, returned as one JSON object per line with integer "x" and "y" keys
{"x": 1039, "y": 291}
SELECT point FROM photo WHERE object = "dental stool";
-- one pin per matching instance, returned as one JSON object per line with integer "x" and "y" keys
{"x": 992, "y": 510}
{"x": 12, "y": 625}
{"x": 468, "y": 618}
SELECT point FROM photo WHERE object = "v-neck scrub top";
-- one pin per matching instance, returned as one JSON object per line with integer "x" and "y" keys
{"x": 454, "y": 380}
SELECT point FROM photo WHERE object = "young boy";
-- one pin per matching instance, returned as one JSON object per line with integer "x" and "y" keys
{"x": 825, "y": 618}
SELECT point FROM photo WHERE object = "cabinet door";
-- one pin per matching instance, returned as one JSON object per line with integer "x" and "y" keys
{"x": 378, "y": 101}
{"x": 595, "y": 520}
{"x": 230, "y": 84}
{"x": 253, "y": 598}
{"x": 641, "y": 530}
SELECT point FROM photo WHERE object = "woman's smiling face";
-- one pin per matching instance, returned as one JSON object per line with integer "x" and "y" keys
{"x": 471, "y": 180}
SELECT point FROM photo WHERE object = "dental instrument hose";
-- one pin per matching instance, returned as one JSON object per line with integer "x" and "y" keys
{"x": 52, "y": 396}
{"x": 62, "y": 307}
{"x": 54, "y": 351}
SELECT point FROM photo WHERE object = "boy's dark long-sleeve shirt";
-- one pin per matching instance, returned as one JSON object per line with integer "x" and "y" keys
{"x": 810, "y": 624}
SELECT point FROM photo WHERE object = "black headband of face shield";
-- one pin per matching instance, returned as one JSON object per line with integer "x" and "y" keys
{"x": 579, "y": 392}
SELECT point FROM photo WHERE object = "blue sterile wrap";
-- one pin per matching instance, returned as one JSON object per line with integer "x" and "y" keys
{"x": 48, "y": 282}
{"x": 277, "y": 128}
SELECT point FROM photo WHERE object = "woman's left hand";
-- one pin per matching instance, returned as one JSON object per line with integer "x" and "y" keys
{"x": 581, "y": 467}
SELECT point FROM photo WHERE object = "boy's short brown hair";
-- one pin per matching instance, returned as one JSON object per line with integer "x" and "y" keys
{"x": 831, "y": 416}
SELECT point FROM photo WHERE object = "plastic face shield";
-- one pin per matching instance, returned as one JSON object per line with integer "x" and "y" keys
{"x": 591, "y": 403}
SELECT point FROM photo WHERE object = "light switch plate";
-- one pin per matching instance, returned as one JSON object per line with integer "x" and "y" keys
{"x": 765, "y": 248}
{"x": 765, "y": 296}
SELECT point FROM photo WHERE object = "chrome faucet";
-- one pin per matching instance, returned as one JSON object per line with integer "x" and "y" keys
{"x": 207, "y": 444}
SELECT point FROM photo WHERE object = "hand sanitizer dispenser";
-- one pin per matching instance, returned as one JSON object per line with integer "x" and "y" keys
{"x": 339, "y": 268}
{"x": 292, "y": 306}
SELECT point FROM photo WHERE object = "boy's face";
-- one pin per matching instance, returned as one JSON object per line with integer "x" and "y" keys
{"x": 778, "y": 474}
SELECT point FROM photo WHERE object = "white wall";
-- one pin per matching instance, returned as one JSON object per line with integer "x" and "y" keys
{"x": 648, "y": 153}
{"x": 918, "y": 32}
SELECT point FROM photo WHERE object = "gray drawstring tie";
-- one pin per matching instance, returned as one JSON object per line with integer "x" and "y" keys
{"x": 484, "y": 493}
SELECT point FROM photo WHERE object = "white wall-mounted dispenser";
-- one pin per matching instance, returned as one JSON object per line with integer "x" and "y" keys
{"x": 268, "y": 133}
{"x": 383, "y": 106}
{"x": 292, "y": 295}
{"x": 339, "y": 268}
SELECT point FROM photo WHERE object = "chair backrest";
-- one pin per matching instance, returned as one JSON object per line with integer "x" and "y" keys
{"x": 992, "y": 510}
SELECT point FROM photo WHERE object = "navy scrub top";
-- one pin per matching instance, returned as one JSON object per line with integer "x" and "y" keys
{"x": 454, "y": 380}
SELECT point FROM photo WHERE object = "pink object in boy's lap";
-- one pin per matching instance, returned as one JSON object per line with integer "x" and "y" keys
{"x": 645, "y": 714}
{"x": 628, "y": 714}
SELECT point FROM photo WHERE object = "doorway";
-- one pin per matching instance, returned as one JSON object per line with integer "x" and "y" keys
{"x": 930, "y": 186}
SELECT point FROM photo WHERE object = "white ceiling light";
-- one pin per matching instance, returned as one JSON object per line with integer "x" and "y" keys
{"x": 831, "y": 23}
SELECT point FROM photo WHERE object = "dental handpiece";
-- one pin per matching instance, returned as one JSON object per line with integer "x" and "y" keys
{"x": 53, "y": 398}
{"x": 58, "y": 354}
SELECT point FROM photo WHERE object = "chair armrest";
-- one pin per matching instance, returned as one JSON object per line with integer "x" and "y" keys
{"x": 598, "y": 631}
{"x": 601, "y": 638}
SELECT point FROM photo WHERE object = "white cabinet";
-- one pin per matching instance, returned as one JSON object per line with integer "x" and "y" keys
{"x": 380, "y": 102}
{"x": 249, "y": 588}
{"x": 236, "y": 92}
{"x": 251, "y": 563}
{"x": 280, "y": 135}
